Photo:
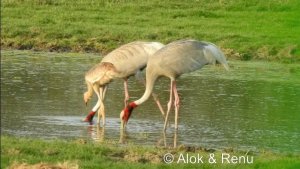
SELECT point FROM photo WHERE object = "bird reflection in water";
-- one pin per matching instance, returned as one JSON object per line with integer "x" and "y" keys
{"x": 123, "y": 137}
{"x": 97, "y": 133}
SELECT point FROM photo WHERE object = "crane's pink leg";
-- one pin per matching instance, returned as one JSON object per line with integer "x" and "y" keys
{"x": 101, "y": 110}
{"x": 104, "y": 92}
{"x": 169, "y": 105}
{"x": 176, "y": 104}
{"x": 126, "y": 92}
{"x": 155, "y": 98}
{"x": 175, "y": 139}
{"x": 104, "y": 88}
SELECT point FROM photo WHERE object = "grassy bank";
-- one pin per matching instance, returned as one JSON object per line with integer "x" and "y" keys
{"x": 245, "y": 29}
{"x": 16, "y": 152}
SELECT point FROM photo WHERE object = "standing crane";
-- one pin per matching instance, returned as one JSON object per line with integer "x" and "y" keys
{"x": 128, "y": 60}
{"x": 173, "y": 60}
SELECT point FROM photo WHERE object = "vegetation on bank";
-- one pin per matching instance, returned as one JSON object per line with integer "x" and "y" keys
{"x": 256, "y": 29}
{"x": 24, "y": 152}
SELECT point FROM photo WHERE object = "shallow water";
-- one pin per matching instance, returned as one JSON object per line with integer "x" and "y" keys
{"x": 254, "y": 106}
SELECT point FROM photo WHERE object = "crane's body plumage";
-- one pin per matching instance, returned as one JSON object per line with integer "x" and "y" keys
{"x": 183, "y": 56}
{"x": 173, "y": 60}
{"x": 122, "y": 62}
{"x": 132, "y": 57}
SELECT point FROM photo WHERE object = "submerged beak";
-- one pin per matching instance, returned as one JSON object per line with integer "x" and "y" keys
{"x": 125, "y": 114}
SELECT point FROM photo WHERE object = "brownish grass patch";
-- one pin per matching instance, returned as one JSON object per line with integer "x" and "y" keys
{"x": 64, "y": 165}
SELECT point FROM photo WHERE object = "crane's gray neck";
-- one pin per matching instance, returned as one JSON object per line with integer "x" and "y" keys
{"x": 150, "y": 80}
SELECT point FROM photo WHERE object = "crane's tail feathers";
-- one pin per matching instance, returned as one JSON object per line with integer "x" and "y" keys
{"x": 213, "y": 54}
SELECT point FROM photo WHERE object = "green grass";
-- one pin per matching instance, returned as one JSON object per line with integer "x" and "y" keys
{"x": 256, "y": 29}
{"x": 84, "y": 154}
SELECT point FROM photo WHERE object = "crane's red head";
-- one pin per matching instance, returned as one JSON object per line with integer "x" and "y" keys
{"x": 126, "y": 113}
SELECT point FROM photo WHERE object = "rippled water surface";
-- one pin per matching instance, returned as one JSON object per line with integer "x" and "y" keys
{"x": 254, "y": 106}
